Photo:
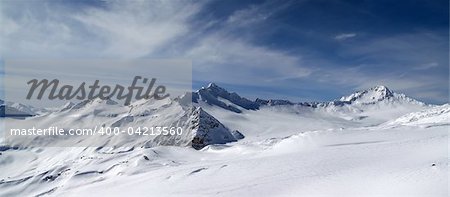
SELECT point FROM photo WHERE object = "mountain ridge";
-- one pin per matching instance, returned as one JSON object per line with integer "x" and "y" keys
{"x": 214, "y": 95}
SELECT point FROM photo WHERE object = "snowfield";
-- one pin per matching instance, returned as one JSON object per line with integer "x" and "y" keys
{"x": 372, "y": 143}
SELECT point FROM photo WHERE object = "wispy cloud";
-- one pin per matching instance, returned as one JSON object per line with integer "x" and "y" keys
{"x": 248, "y": 45}
{"x": 143, "y": 29}
{"x": 345, "y": 36}
{"x": 426, "y": 66}
{"x": 119, "y": 29}
{"x": 257, "y": 13}
{"x": 236, "y": 59}
{"x": 139, "y": 28}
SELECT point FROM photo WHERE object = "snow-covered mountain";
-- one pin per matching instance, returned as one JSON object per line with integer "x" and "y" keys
{"x": 11, "y": 109}
{"x": 199, "y": 128}
{"x": 218, "y": 96}
{"x": 208, "y": 130}
{"x": 212, "y": 106}
{"x": 377, "y": 94}
{"x": 359, "y": 144}
{"x": 376, "y": 105}
{"x": 371, "y": 96}
{"x": 368, "y": 107}
{"x": 215, "y": 95}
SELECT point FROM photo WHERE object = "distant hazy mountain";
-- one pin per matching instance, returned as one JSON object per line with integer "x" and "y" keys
{"x": 11, "y": 109}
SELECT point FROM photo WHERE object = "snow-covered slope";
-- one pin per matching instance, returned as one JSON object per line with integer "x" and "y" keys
{"x": 371, "y": 143}
{"x": 194, "y": 122}
{"x": 433, "y": 116}
{"x": 401, "y": 161}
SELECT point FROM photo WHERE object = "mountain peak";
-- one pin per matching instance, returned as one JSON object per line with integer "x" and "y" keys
{"x": 382, "y": 89}
{"x": 214, "y": 88}
{"x": 212, "y": 85}
{"x": 371, "y": 95}
{"x": 376, "y": 93}
{"x": 379, "y": 87}
{"x": 215, "y": 95}
{"x": 93, "y": 102}
{"x": 208, "y": 130}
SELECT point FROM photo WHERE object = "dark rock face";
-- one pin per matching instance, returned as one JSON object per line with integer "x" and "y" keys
{"x": 208, "y": 130}
{"x": 273, "y": 102}
{"x": 213, "y": 95}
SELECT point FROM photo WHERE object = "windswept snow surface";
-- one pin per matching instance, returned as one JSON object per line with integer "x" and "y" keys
{"x": 357, "y": 146}
{"x": 433, "y": 116}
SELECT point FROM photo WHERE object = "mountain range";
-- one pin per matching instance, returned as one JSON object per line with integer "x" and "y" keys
{"x": 214, "y": 115}
{"x": 373, "y": 141}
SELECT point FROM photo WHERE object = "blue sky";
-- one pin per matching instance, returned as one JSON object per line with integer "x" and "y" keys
{"x": 305, "y": 50}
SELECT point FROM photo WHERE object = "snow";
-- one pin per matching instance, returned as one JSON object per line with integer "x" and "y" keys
{"x": 14, "y": 109}
{"x": 215, "y": 95}
{"x": 376, "y": 93}
{"x": 431, "y": 116}
{"x": 349, "y": 162}
{"x": 388, "y": 146}
{"x": 208, "y": 130}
